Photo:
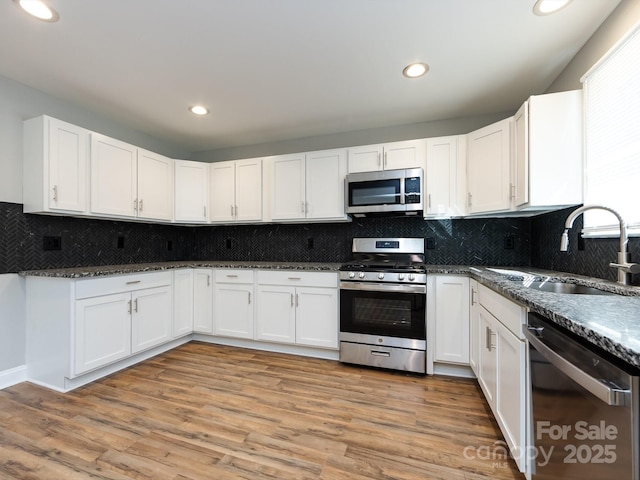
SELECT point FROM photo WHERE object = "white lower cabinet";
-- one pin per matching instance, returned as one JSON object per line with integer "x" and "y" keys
{"x": 451, "y": 297}
{"x": 233, "y": 303}
{"x": 298, "y": 307}
{"x": 151, "y": 318}
{"x": 203, "y": 300}
{"x": 183, "y": 303}
{"x": 102, "y": 331}
{"x": 502, "y": 366}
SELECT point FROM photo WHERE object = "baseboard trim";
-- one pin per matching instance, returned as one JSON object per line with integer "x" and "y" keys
{"x": 13, "y": 376}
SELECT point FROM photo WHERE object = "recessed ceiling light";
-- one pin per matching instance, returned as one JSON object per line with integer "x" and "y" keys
{"x": 415, "y": 70}
{"x": 198, "y": 110}
{"x": 547, "y": 7}
{"x": 38, "y": 9}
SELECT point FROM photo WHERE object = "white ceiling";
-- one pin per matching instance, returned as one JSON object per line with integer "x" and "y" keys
{"x": 274, "y": 70}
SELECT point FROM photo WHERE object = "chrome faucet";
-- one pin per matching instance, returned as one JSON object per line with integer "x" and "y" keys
{"x": 625, "y": 268}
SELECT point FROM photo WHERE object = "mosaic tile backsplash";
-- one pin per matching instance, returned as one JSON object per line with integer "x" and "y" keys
{"x": 517, "y": 242}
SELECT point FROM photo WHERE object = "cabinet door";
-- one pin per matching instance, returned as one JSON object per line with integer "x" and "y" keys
{"x": 510, "y": 392}
{"x": 407, "y": 154}
{"x": 317, "y": 317}
{"x": 452, "y": 319}
{"x": 488, "y": 168}
{"x": 102, "y": 331}
{"x": 183, "y": 302}
{"x": 487, "y": 355}
{"x": 288, "y": 187}
{"x": 520, "y": 173}
{"x": 276, "y": 317}
{"x": 474, "y": 327}
{"x": 155, "y": 186}
{"x": 114, "y": 184}
{"x": 248, "y": 190}
{"x": 366, "y": 158}
{"x": 233, "y": 310}
{"x": 68, "y": 147}
{"x": 203, "y": 300}
{"x": 442, "y": 176}
{"x": 325, "y": 172}
{"x": 191, "y": 191}
{"x": 151, "y": 320}
{"x": 223, "y": 191}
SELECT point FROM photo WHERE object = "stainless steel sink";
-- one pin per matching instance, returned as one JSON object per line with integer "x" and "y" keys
{"x": 569, "y": 288}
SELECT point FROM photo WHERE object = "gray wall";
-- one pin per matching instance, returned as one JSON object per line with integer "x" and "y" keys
{"x": 623, "y": 18}
{"x": 19, "y": 102}
{"x": 351, "y": 139}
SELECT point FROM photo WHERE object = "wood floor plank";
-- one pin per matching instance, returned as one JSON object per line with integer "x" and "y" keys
{"x": 203, "y": 411}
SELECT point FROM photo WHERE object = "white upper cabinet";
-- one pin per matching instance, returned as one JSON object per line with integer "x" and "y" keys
{"x": 114, "y": 177}
{"x": 308, "y": 186}
{"x": 488, "y": 168}
{"x": 445, "y": 177}
{"x": 127, "y": 181}
{"x": 55, "y": 166}
{"x": 388, "y": 156}
{"x": 155, "y": 186}
{"x": 236, "y": 191}
{"x": 547, "y": 163}
{"x": 191, "y": 191}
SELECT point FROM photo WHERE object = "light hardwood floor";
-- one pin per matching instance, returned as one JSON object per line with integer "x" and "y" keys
{"x": 210, "y": 412}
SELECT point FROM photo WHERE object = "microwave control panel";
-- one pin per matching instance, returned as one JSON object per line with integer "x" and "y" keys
{"x": 412, "y": 189}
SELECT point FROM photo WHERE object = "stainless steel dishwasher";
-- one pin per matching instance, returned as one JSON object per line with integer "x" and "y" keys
{"x": 585, "y": 422}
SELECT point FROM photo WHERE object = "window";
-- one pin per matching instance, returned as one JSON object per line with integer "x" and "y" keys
{"x": 612, "y": 138}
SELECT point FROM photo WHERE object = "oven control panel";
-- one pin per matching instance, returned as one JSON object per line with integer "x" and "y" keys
{"x": 391, "y": 277}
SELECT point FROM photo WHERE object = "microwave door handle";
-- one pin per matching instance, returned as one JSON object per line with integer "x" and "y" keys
{"x": 403, "y": 195}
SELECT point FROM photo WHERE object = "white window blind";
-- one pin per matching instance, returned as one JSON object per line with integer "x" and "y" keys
{"x": 612, "y": 138}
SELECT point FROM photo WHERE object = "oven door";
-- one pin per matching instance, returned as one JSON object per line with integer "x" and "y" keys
{"x": 385, "y": 310}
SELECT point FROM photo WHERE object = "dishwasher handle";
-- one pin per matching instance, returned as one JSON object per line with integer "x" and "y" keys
{"x": 609, "y": 395}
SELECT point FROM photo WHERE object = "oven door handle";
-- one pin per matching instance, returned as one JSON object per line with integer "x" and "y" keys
{"x": 383, "y": 287}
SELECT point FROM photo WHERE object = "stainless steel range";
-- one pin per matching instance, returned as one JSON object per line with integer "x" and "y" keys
{"x": 383, "y": 296}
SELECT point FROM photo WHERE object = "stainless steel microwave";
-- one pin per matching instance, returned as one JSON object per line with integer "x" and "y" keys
{"x": 384, "y": 192}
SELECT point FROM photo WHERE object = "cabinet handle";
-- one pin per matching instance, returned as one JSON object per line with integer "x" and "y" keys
{"x": 208, "y": 280}
{"x": 55, "y": 193}
{"x": 297, "y": 300}
{"x": 140, "y": 205}
{"x": 489, "y": 339}
{"x": 133, "y": 282}
{"x": 512, "y": 191}
{"x": 232, "y": 276}
{"x": 429, "y": 201}
{"x": 302, "y": 203}
{"x": 129, "y": 307}
{"x": 469, "y": 199}
{"x": 293, "y": 278}
{"x": 232, "y": 210}
{"x": 135, "y": 305}
{"x": 135, "y": 205}
{"x": 249, "y": 294}
{"x": 204, "y": 211}
{"x": 292, "y": 299}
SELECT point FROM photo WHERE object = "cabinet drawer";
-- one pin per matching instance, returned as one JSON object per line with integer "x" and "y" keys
{"x": 93, "y": 287}
{"x": 512, "y": 315}
{"x": 230, "y": 275}
{"x": 295, "y": 277}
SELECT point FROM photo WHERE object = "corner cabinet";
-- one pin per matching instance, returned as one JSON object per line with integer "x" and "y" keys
{"x": 297, "y": 307}
{"x": 236, "y": 191}
{"x": 502, "y": 366}
{"x": 182, "y": 302}
{"x": 489, "y": 168}
{"x": 191, "y": 191}
{"x": 55, "y": 167}
{"x": 307, "y": 186}
{"x": 388, "y": 156}
{"x": 452, "y": 319}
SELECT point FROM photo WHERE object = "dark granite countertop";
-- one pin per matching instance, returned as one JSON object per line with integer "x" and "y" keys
{"x": 611, "y": 322}
{"x": 102, "y": 270}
